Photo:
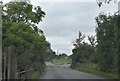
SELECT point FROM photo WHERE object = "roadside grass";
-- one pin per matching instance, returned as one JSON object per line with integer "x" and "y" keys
{"x": 57, "y": 63}
{"x": 61, "y": 61}
{"x": 33, "y": 75}
{"x": 93, "y": 69}
{"x": 36, "y": 75}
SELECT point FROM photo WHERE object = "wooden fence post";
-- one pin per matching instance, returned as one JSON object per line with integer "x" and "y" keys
{"x": 5, "y": 61}
{"x": 9, "y": 61}
{"x": 12, "y": 63}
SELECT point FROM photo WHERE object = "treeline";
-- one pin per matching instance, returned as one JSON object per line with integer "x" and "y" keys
{"x": 50, "y": 55}
{"x": 102, "y": 52}
{"x": 19, "y": 26}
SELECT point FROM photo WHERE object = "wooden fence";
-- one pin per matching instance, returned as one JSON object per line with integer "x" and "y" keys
{"x": 9, "y": 65}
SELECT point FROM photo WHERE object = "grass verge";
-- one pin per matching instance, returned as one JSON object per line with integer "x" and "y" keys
{"x": 103, "y": 74}
{"x": 61, "y": 61}
{"x": 57, "y": 63}
{"x": 36, "y": 75}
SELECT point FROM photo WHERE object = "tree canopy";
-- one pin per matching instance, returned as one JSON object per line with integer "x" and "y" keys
{"x": 23, "y": 12}
{"x": 20, "y": 29}
{"x": 103, "y": 47}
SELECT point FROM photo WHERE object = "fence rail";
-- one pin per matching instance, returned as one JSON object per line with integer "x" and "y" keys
{"x": 9, "y": 65}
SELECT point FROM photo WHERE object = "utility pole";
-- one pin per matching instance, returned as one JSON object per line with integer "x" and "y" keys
{"x": 57, "y": 52}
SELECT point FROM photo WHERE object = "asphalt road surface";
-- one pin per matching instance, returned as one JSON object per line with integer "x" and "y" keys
{"x": 64, "y": 72}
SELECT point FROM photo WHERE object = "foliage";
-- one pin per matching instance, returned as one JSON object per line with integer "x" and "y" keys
{"x": 100, "y": 2}
{"x": 94, "y": 69}
{"x": 107, "y": 47}
{"x": 103, "y": 50}
{"x": 19, "y": 29}
{"x": 63, "y": 54}
{"x": 30, "y": 46}
{"x": 78, "y": 40}
{"x": 50, "y": 55}
{"x": 23, "y": 12}
{"x": 92, "y": 40}
{"x": 82, "y": 51}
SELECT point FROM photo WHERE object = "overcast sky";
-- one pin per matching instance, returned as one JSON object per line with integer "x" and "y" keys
{"x": 63, "y": 21}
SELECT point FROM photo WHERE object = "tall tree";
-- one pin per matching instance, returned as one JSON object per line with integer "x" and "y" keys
{"x": 19, "y": 29}
{"x": 92, "y": 40}
{"x": 22, "y": 12}
{"x": 107, "y": 44}
{"x": 78, "y": 41}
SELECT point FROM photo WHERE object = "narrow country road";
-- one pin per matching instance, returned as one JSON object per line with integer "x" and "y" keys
{"x": 64, "y": 72}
